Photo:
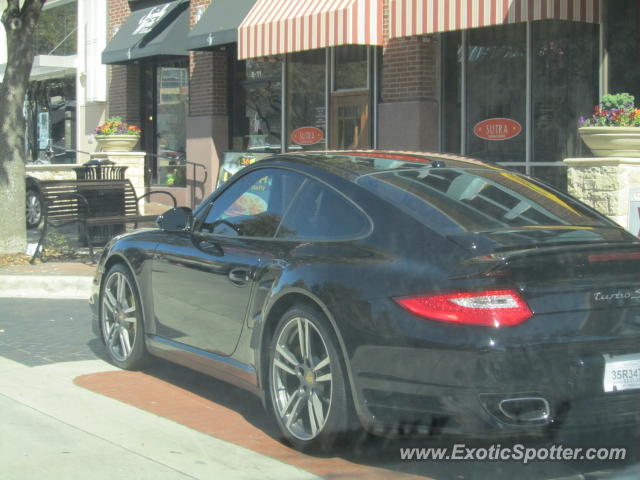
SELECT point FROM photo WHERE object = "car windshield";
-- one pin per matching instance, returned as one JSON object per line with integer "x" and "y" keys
{"x": 508, "y": 208}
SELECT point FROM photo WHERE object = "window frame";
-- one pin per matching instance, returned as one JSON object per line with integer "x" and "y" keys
{"x": 229, "y": 184}
{"x": 306, "y": 177}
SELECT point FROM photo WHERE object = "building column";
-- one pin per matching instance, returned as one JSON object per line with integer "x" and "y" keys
{"x": 610, "y": 185}
{"x": 409, "y": 110}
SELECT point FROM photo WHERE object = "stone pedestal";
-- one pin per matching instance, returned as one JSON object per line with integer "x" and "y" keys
{"x": 135, "y": 171}
{"x": 52, "y": 172}
{"x": 605, "y": 183}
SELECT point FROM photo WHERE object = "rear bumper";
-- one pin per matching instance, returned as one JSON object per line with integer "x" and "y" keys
{"x": 480, "y": 394}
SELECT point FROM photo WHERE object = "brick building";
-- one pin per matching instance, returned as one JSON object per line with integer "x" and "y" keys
{"x": 502, "y": 80}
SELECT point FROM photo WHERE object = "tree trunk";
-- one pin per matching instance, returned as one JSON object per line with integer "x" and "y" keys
{"x": 19, "y": 23}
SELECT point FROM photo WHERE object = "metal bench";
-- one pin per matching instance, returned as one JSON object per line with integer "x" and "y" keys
{"x": 90, "y": 203}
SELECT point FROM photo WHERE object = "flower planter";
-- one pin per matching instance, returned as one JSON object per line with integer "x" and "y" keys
{"x": 117, "y": 143}
{"x": 612, "y": 141}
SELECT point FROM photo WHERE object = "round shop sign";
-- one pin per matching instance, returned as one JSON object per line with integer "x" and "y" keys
{"x": 497, "y": 129}
{"x": 307, "y": 135}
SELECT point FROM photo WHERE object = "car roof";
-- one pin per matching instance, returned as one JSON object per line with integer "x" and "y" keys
{"x": 352, "y": 164}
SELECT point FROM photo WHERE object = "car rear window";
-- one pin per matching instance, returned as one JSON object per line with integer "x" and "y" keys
{"x": 454, "y": 201}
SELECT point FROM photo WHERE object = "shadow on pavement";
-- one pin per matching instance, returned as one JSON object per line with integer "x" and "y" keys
{"x": 384, "y": 453}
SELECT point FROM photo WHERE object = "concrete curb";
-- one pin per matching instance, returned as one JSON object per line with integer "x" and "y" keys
{"x": 46, "y": 286}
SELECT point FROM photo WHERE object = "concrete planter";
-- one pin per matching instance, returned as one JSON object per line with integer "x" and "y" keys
{"x": 117, "y": 143}
{"x": 612, "y": 141}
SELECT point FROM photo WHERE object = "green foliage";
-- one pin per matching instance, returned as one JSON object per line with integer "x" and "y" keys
{"x": 57, "y": 246}
{"x": 617, "y": 101}
{"x": 615, "y": 110}
{"x": 56, "y": 31}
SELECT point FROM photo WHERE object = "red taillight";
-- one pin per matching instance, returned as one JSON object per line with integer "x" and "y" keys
{"x": 494, "y": 308}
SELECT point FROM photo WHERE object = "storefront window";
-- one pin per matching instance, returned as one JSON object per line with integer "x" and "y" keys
{"x": 172, "y": 101}
{"x": 496, "y": 89}
{"x": 351, "y": 68}
{"x": 306, "y": 101}
{"x": 485, "y": 112}
{"x": 452, "y": 93}
{"x": 257, "y": 122}
{"x": 564, "y": 84}
{"x": 623, "y": 47}
{"x": 51, "y": 120}
{"x": 350, "y": 99}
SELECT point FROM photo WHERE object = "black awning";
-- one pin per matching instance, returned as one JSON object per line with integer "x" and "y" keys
{"x": 160, "y": 30}
{"x": 219, "y": 24}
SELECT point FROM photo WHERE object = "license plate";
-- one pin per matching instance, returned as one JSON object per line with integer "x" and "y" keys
{"x": 621, "y": 372}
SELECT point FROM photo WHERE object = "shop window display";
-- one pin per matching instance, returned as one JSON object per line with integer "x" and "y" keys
{"x": 485, "y": 112}
{"x": 306, "y": 99}
{"x": 257, "y": 119}
{"x": 172, "y": 100}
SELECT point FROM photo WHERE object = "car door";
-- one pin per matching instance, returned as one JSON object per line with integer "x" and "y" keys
{"x": 202, "y": 282}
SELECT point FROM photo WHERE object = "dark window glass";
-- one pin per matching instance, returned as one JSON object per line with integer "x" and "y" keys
{"x": 306, "y": 99}
{"x": 452, "y": 81}
{"x": 252, "y": 206}
{"x": 623, "y": 47}
{"x": 257, "y": 105}
{"x": 508, "y": 208}
{"x": 351, "y": 67}
{"x": 565, "y": 86}
{"x": 496, "y": 86}
{"x": 321, "y": 213}
{"x": 172, "y": 103}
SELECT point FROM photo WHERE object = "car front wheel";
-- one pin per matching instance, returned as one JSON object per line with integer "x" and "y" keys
{"x": 121, "y": 319}
{"x": 307, "y": 388}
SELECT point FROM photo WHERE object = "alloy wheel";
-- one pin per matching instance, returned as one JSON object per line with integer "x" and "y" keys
{"x": 119, "y": 316}
{"x": 301, "y": 379}
{"x": 34, "y": 209}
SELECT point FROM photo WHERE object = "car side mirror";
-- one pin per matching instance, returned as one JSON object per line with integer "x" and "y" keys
{"x": 177, "y": 219}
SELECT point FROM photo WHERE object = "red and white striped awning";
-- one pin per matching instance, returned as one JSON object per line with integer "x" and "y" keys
{"x": 274, "y": 27}
{"x": 418, "y": 17}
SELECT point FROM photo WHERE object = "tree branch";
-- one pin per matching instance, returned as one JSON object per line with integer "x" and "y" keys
{"x": 11, "y": 12}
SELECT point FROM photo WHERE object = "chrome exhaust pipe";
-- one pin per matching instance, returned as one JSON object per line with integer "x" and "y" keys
{"x": 525, "y": 409}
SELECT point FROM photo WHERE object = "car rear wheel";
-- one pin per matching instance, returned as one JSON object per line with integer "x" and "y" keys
{"x": 121, "y": 319}
{"x": 34, "y": 208}
{"x": 307, "y": 386}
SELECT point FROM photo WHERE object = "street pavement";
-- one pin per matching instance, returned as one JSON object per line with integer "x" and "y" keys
{"x": 65, "y": 412}
{"x": 52, "y": 428}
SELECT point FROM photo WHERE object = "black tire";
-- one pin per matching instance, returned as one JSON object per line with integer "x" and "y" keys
{"x": 121, "y": 319}
{"x": 34, "y": 208}
{"x": 307, "y": 393}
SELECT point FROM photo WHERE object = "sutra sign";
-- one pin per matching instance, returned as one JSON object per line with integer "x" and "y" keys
{"x": 307, "y": 135}
{"x": 497, "y": 129}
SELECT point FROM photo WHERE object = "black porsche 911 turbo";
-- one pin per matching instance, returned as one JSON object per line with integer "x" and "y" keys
{"x": 411, "y": 292}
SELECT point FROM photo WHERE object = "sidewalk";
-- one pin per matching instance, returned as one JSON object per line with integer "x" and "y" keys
{"x": 54, "y": 279}
{"x": 53, "y": 428}
{"x": 71, "y": 280}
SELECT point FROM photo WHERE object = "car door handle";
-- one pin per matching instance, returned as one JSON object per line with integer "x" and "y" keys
{"x": 239, "y": 277}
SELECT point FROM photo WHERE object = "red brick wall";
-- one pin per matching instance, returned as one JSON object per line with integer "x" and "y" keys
{"x": 124, "y": 93}
{"x": 409, "y": 71}
{"x": 208, "y": 87}
{"x": 124, "y": 80}
{"x": 193, "y": 6}
{"x": 118, "y": 12}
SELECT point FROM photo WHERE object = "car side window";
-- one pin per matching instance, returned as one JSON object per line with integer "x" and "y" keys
{"x": 253, "y": 205}
{"x": 320, "y": 212}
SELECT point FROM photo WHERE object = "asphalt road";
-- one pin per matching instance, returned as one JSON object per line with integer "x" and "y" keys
{"x": 41, "y": 333}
